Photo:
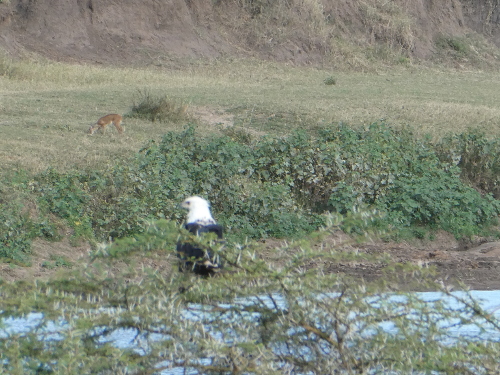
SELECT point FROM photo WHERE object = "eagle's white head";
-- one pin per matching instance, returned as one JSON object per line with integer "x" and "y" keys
{"x": 198, "y": 211}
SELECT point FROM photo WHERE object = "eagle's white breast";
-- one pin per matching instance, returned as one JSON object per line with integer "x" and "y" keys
{"x": 198, "y": 211}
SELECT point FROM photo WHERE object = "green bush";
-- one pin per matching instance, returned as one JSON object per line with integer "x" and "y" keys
{"x": 439, "y": 201}
{"x": 410, "y": 181}
{"x": 223, "y": 170}
{"x": 477, "y": 157}
{"x": 15, "y": 239}
{"x": 66, "y": 195}
{"x": 18, "y": 227}
{"x": 272, "y": 186}
{"x": 279, "y": 187}
{"x": 330, "y": 81}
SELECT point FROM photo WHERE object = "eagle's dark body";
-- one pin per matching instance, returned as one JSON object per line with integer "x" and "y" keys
{"x": 200, "y": 221}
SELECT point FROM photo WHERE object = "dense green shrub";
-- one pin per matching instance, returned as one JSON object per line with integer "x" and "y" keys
{"x": 301, "y": 177}
{"x": 15, "y": 240}
{"x": 478, "y": 158}
{"x": 406, "y": 178}
{"x": 458, "y": 46}
{"x": 272, "y": 186}
{"x": 439, "y": 201}
{"x": 223, "y": 170}
{"x": 278, "y": 186}
{"x": 66, "y": 195}
{"x": 18, "y": 225}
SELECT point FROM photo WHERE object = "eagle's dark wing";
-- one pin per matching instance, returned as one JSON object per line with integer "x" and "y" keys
{"x": 192, "y": 257}
{"x": 198, "y": 229}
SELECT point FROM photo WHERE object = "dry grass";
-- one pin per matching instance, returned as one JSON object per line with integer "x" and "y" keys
{"x": 321, "y": 27}
{"x": 45, "y": 108}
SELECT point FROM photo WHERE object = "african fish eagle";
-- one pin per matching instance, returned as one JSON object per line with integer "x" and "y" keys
{"x": 199, "y": 220}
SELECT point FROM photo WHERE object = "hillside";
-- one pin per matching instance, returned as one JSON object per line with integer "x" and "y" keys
{"x": 298, "y": 31}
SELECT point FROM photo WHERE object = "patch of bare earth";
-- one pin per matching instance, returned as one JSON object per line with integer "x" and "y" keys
{"x": 219, "y": 119}
{"x": 46, "y": 255}
{"x": 470, "y": 264}
{"x": 212, "y": 117}
{"x": 473, "y": 264}
{"x": 43, "y": 260}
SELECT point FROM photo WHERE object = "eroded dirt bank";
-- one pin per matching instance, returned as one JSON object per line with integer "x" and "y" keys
{"x": 152, "y": 32}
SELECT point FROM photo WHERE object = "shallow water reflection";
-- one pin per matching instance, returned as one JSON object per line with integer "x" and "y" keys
{"x": 130, "y": 338}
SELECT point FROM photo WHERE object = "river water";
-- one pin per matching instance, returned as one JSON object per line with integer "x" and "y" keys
{"x": 122, "y": 338}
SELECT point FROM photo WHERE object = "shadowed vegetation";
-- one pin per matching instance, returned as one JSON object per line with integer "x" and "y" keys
{"x": 257, "y": 317}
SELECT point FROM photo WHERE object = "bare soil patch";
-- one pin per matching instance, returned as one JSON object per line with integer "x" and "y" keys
{"x": 470, "y": 264}
{"x": 212, "y": 117}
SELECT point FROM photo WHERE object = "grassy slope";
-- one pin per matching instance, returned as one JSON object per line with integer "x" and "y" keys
{"x": 46, "y": 107}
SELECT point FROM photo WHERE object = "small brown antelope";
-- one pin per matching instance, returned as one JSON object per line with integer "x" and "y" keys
{"x": 105, "y": 121}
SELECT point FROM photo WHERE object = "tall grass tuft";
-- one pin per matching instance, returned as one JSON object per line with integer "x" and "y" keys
{"x": 158, "y": 108}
